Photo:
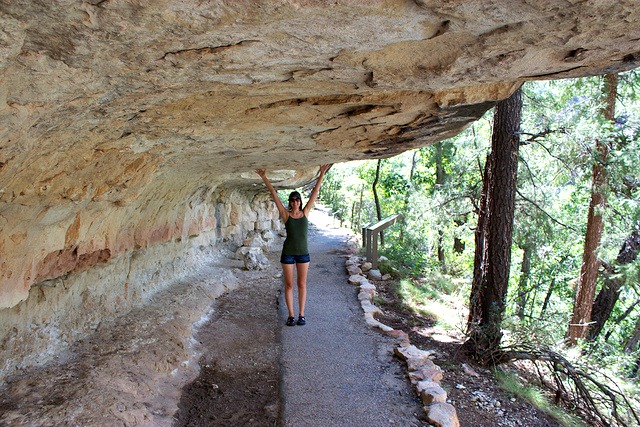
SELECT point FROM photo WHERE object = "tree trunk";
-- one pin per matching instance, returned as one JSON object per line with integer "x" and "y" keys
{"x": 636, "y": 368}
{"x": 585, "y": 290}
{"x": 632, "y": 343}
{"x": 353, "y": 214}
{"x": 613, "y": 282}
{"x": 523, "y": 284}
{"x": 547, "y": 298}
{"x": 603, "y": 305}
{"x": 375, "y": 197}
{"x": 480, "y": 256}
{"x": 359, "y": 227}
{"x": 620, "y": 318}
{"x": 458, "y": 244}
{"x": 407, "y": 196}
{"x": 440, "y": 178}
{"x": 494, "y": 234}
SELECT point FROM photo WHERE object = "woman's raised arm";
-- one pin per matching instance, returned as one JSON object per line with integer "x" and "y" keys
{"x": 316, "y": 190}
{"x": 284, "y": 213}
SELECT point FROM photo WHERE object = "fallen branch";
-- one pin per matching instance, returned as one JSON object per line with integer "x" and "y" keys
{"x": 582, "y": 389}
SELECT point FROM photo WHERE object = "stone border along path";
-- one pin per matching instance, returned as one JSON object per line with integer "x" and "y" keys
{"x": 423, "y": 373}
{"x": 336, "y": 371}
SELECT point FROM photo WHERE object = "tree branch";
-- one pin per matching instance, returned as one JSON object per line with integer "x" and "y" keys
{"x": 544, "y": 212}
{"x": 554, "y": 156}
{"x": 535, "y": 136}
{"x": 581, "y": 388}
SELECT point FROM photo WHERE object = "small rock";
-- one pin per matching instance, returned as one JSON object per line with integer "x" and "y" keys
{"x": 406, "y": 353}
{"x": 254, "y": 242}
{"x": 429, "y": 371}
{"x": 368, "y": 317}
{"x": 353, "y": 269}
{"x": 254, "y": 259}
{"x": 357, "y": 279}
{"x": 386, "y": 277}
{"x": 374, "y": 275}
{"x": 268, "y": 235}
{"x": 431, "y": 392}
{"x": 366, "y": 267}
{"x": 416, "y": 363}
{"x": 368, "y": 287}
{"x": 241, "y": 252}
{"x": 353, "y": 260}
{"x": 442, "y": 415}
{"x": 400, "y": 335}
{"x": 460, "y": 387}
{"x": 364, "y": 296}
{"x": 367, "y": 307}
{"x": 402, "y": 338}
{"x": 467, "y": 370}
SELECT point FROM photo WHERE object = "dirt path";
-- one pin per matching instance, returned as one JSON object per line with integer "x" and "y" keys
{"x": 129, "y": 372}
{"x": 239, "y": 381}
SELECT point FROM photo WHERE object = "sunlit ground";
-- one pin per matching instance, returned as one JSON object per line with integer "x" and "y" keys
{"x": 447, "y": 310}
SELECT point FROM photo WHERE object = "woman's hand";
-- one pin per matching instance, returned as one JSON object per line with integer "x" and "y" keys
{"x": 261, "y": 172}
{"x": 324, "y": 168}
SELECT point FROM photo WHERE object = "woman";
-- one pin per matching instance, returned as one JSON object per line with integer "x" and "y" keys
{"x": 295, "y": 251}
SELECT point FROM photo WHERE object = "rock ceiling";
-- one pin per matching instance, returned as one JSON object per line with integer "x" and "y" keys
{"x": 112, "y": 111}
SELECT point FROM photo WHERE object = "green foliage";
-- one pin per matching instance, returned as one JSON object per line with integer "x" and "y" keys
{"x": 437, "y": 190}
{"x": 431, "y": 298}
{"x": 536, "y": 397}
{"x": 341, "y": 190}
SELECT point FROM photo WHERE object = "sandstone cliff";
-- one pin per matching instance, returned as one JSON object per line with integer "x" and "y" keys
{"x": 129, "y": 129}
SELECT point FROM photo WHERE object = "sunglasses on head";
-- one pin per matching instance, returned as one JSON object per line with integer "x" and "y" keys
{"x": 293, "y": 199}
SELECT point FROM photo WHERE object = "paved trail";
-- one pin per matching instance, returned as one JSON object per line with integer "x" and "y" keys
{"x": 336, "y": 371}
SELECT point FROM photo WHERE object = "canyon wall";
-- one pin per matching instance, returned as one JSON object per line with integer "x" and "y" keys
{"x": 63, "y": 309}
{"x": 130, "y": 130}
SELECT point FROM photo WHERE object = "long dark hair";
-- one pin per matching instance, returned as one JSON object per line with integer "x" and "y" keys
{"x": 293, "y": 195}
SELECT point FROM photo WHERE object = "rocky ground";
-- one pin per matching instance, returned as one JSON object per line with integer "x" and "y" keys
{"x": 474, "y": 392}
{"x": 203, "y": 353}
{"x": 239, "y": 381}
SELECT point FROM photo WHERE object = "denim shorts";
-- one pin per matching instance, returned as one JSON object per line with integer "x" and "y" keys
{"x": 294, "y": 259}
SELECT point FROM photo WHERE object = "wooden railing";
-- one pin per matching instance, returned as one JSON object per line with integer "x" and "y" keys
{"x": 370, "y": 237}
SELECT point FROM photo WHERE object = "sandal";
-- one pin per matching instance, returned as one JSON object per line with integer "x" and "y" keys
{"x": 301, "y": 321}
{"x": 291, "y": 321}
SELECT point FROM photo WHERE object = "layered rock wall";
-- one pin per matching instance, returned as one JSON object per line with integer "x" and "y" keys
{"x": 129, "y": 129}
{"x": 65, "y": 308}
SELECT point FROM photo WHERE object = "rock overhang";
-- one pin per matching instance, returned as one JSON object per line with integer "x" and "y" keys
{"x": 120, "y": 119}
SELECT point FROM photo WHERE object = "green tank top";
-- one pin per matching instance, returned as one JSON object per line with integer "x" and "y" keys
{"x": 296, "y": 241}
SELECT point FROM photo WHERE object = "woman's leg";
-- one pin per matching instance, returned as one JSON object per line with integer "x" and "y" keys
{"x": 287, "y": 271}
{"x": 302, "y": 268}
